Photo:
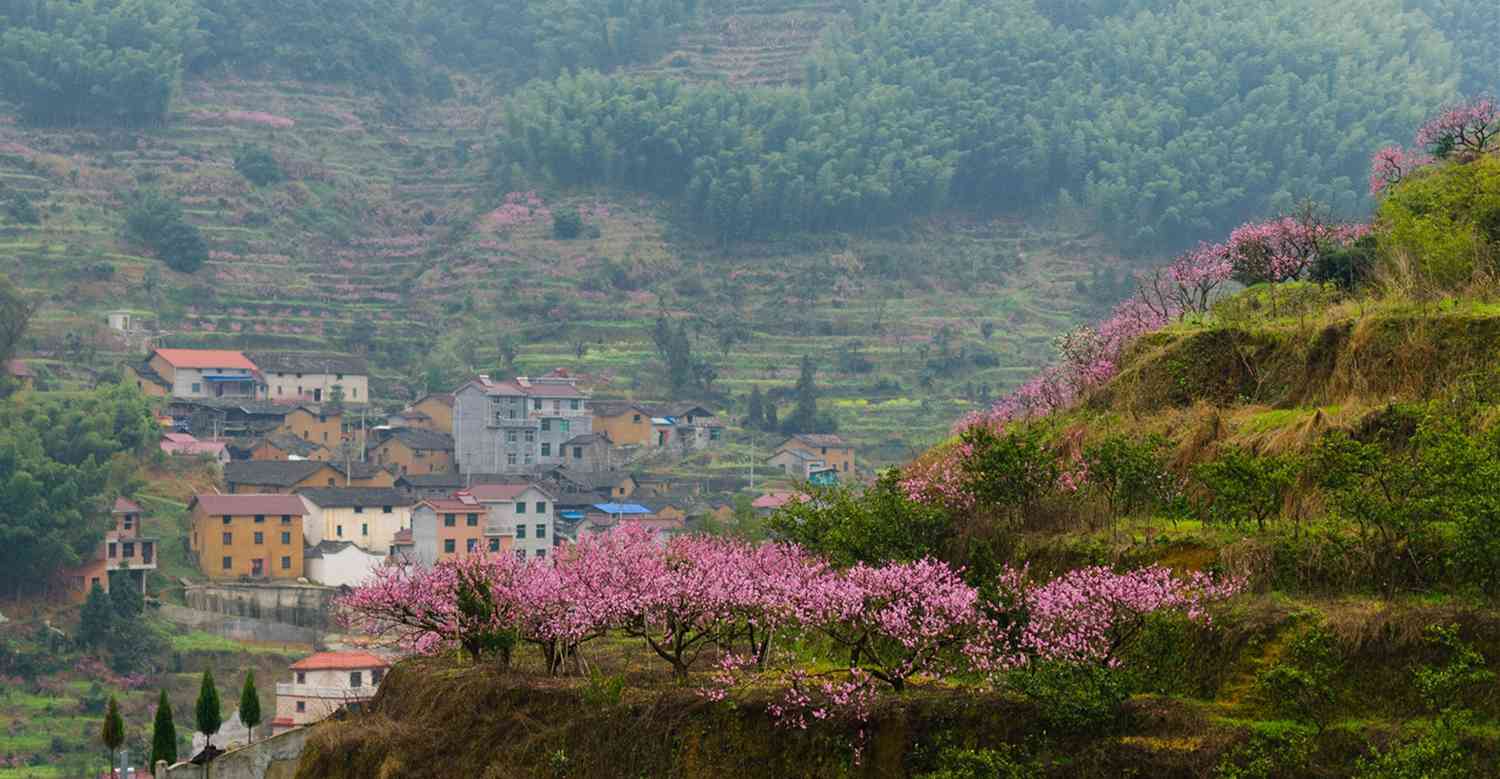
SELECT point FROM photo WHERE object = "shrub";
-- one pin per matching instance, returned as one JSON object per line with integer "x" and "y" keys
{"x": 1073, "y": 698}
{"x": 1301, "y": 684}
{"x": 1446, "y": 220}
{"x": 156, "y": 221}
{"x": 257, "y": 165}
{"x": 1006, "y": 762}
{"x": 1245, "y": 486}
{"x": 1436, "y": 754}
{"x": 567, "y": 224}
{"x": 20, "y": 209}
{"x": 1008, "y": 472}
{"x": 1128, "y": 472}
{"x": 1346, "y": 267}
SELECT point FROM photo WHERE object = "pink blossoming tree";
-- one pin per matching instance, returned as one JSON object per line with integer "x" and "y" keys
{"x": 1466, "y": 129}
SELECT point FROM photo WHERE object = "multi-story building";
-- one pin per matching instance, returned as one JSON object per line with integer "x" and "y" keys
{"x": 124, "y": 552}
{"x": 301, "y": 376}
{"x": 831, "y": 450}
{"x": 258, "y": 536}
{"x": 368, "y": 517}
{"x": 517, "y": 426}
{"x": 442, "y": 528}
{"x": 196, "y": 374}
{"x": 527, "y": 511}
{"x": 324, "y": 683}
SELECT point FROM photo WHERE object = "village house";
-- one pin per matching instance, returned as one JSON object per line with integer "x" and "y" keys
{"x": 443, "y": 528}
{"x": 21, "y": 374}
{"x": 340, "y": 563}
{"x": 431, "y": 412}
{"x": 257, "y": 536}
{"x": 683, "y": 426}
{"x": 833, "y": 451}
{"x": 197, "y": 374}
{"x": 589, "y": 452}
{"x": 315, "y": 424}
{"x": 414, "y": 450}
{"x": 527, "y": 510}
{"x": 604, "y": 517}
{"x": 517, "y": 426}
{"x": 612, "y": 485}
{"x": 796, "y": 463}
{"x": 368, "y": 517}
{"x": 281, "y": 445}
{"x": 767, "y": 504}
{"x": 324, "y": 683}
{"x": 125, "y": 551}
{"x": 185, "y": 445}
{"x": 297, "y": 376}
{"x": 291, "y": 476}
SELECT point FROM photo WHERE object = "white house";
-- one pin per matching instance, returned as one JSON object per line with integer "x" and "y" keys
{"x": 525, "y": 509}
{"x": 324, "y": 683}
{"x": 340, "y": 563}
{"x": 370, "y": 517}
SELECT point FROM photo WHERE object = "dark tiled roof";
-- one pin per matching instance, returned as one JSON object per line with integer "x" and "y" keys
{"x": 356, "y": 496}
{"x": 428, "y": 440}
{"x": 276, "y": 473}
{"x": 292, "y": 444}
{"x": 308, "y": 362}
{"x": 588, "y": 438}
{"x": 455, "y": 480}
{"x": 591, "y": 480}
{"x": 355, "y": 470}
{"x": 227, "y": 505}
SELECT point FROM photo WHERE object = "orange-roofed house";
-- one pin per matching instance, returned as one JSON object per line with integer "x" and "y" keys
{"x": 199, "y": 374}
{"x": 255, "y": 536}
{"x": 324, "y": 683}
{"x": 769, "y": 502}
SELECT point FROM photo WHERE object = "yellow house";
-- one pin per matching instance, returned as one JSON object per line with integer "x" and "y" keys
{"x": 258, "y": 536}
{"x": 287, "y": 477}
{"x": 833, "y": 451}
{"x": 414, "y": 450}
{"x": 626, "y": 422}
{"x": 438, "y": 408}
{"x": 368, "y": 517}
{"x": 315, "y": 425}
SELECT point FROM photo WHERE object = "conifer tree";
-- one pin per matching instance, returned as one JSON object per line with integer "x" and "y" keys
{"x": 207, "y": 709}
{"x": 805, "y": 418}
{"x": 755, "y": 417}
{"x": 113, "y": 732}
{"x": 250, "y": 704}
{"x": 163, "y": 733}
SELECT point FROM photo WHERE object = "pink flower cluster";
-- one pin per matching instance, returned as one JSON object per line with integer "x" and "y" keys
{"x": 1393, "y": 164}
{"x": 1469, "y": 127}
{"x": 1283, "y": 249}
{"x": 516, "y": 209}
{"x": 260, "y": 118}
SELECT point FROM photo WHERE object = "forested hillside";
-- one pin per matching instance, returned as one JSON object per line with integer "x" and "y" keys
{"x": 783, "y": 178}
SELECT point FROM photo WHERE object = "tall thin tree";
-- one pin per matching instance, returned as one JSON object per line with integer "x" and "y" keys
{"x": 207, "y": 709}
{"x": 163, "y": 733}
{"x": 250, "y": 704}
{"x": 113, "y": 732}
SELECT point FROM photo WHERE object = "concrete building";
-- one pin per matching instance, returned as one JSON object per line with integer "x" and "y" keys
{"x": 324, "y": 683}
{"x": 255, "y": 536}
{"x": 125, "y": 551}
{"x": 517, "y": 426}
{"x": 368, "y": 517}
{"x": 527, "y": 511}
{"x": 300, "y": 376}
{"x": 442, "y": 528}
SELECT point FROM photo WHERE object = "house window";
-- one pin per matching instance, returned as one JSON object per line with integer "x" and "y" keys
{"x": 146, "y": 551}
{"x": 301, "y": 678}
{"x": 636, "y": 419}
{"x": 510, "y": 436}
{"x": 510, "y": 458}
{"x": 520, "y": 507}
{"x": 129, "y": 549}
{"x": 825, "y": 451}
{"x": 286, "y": 563}
{"x": 260, "y": 518}
{"x": 359, "y": 509}
{"x": 473, "y": 545}
{"x": 129, "y": 521}
{"x": 546, "y": 425}
{"x": 111, "y": 550}
{"x": 520, "y": 531}
{"x": 546, "y": 450}
{"x": 472, "y": 520}
{"x": 574, "y": 404}
{"x": 228, "y": 539}
{"x": 356, "y": 679}
{"x": 530, "y": 436}
{"x": 385, "y": 509}
{"x": 286, "y": 519}
{"x": 541, "y": 553}
{"x": 364, "y": 528}
{"x": 301, "y": 705}
{"x": 228, "y": 563}
{"x": 227, "y": 518}
{"x": 562, "y": 425}
{"x": 260, "y": 538}
{"x": 449, "y": 520}
{"x": 846, "y": 465}
{"x": 197, "y": 388}
{"x": 714, "y": 434}
{"x": 578, "y": 453}
{"x": 354, "y": 393}
{"x": 448, "y": 545}
{"x": 338, "y": 376}
{"x": 541, "y": 507}
{"x": 541, "y": 531}
{"x": 280, "y": 390}
{"x": 537, "y": 404}
{"x": 286, "y": 538}
{"x": 494, "y": 544}
{"x": 339, "y": 531}
{"x": 376, "y": 675}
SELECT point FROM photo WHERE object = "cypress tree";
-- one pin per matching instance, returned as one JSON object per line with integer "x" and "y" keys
{"x": 755, "y": 417}
{"x": 207, "y": 709}
{"x": 113, "y": 732}
{"x": 805, "y": 418}
{"x": 163, "y": 733}
{"x": 95, "y": 618}
{"x": 250, "y": 704}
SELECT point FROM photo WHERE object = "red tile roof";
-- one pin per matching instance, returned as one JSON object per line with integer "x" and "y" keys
{"x": 336, "y": 661}
{"x": 125, "y": 506}
{"x": 509, "y": 491}
{"x": 460, "y": 501}
{"x": 206, "y": 358}
{"x": 19, "y": 369}
{"x": 229, "y": 505}
{"x": 774, "y": 500}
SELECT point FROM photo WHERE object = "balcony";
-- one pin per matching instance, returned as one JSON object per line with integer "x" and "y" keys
{"x": 142, "y": 553}
{"x": 331, "y": 693}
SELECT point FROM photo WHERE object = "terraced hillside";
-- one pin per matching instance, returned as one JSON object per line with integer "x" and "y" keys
{"x": 388, "y": 236}
{"x": 753, "y": 44}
